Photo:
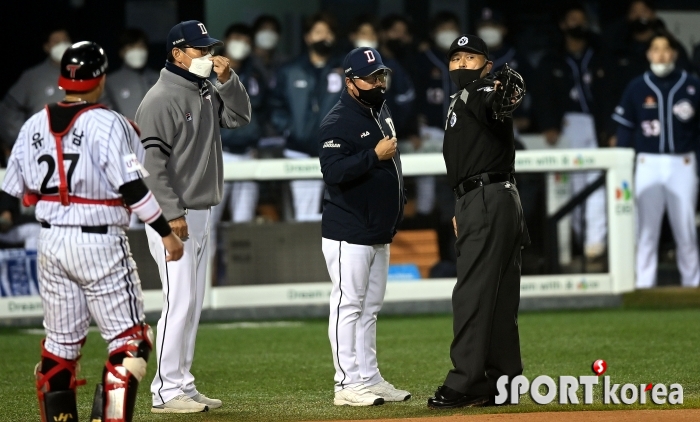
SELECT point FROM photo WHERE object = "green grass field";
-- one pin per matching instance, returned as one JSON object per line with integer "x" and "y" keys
{"x": 285, "y": 373}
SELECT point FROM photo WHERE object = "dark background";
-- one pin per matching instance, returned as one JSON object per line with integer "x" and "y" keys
{"x": 24, "y": 23}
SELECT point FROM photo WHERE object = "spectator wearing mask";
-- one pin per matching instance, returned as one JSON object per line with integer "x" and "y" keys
{"x": 306, "y": 90}
{"x": 433, "y": 84}
{"x": 628, "y": 40}
{"x": 396, "y": 41}
{"x": 571, "y": 87}
{"x": 433, "y": 90}
{"x": 400, "y": 95}
{"x": 266, "y": 36}
{"x": 491, "y": 28}
{"x": 126, "y": 87}
{"x": 240, "y": 144}
{"x": 36, "y": 87}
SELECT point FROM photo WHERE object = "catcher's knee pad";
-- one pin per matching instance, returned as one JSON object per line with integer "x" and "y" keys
{"x": 123, "y": 371}
{"x": 56, "y": 381}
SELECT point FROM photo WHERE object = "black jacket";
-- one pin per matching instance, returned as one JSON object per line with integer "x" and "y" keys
{"x": 364, "y": 197}
{"x": 570, "y": 84}
{"x": 475, "y": 142}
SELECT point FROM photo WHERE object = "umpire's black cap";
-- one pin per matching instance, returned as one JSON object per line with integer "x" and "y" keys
{"x": 82, "y": 67}
{"x": 190, "y": 33}
{"x": 467, "y": 42}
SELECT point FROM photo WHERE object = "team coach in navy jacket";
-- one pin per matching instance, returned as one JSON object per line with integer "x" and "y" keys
{"x": 362, "y": 206}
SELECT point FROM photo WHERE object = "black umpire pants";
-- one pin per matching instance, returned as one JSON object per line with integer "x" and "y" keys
{"x": 485, "y": 300}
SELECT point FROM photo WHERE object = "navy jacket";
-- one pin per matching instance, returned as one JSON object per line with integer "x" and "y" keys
{"x": 507, "y": 54}
{"x": 302, "y": 96}
{"x": 570, "y": 84}
{"x": 659, "y": 115}
{"x": 401, "y": 97}
{"x": 433, "y": 86}
{"x": 364, "y": 197}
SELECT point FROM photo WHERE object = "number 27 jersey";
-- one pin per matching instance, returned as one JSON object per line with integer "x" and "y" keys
{"x": 101, "y": 152}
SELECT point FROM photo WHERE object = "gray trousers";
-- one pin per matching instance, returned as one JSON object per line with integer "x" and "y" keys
{"x": 485, "y": 300}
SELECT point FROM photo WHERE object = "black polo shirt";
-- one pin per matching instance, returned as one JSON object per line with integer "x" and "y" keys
{"x": 475, "y": 142}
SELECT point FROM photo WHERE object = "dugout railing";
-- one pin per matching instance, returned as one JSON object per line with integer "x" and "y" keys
{"x": 616, "y": 163}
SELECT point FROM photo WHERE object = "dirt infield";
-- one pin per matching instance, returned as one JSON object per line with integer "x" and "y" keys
{"x": 583, "y": 416}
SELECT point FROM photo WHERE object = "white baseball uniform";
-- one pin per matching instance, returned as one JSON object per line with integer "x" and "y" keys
{"x": 241, "y": 197}
{"x": 184, "y": 282}
{"x": 81, "y": 274}
{"x": 579, "y": 130}
{"x": 666, "y": 183}
{"x": 359, "y": 274}
{"x": 306, "y": 194}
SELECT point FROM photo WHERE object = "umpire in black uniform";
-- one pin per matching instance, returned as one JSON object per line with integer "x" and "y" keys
{"x": 479, "y": 153}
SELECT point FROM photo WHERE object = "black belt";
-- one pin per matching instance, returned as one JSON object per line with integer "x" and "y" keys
{"x": 84, "y": 229}
{"x": 482, "y": 180}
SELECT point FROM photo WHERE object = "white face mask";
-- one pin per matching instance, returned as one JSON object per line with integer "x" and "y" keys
{"x": 136, "y": 58}
{"x": 492, "y": 37}
{"x": 201, "y": 66}
{"x": 57, "y": 50}
{"x": 444, "y": 39}
{"x": 365, "y": 43}
{"x": 266, "y": 39}
{"x": 662, "y": 69}
{"x": 237, "y": 50}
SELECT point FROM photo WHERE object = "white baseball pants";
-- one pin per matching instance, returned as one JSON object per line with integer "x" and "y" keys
{"x": 242, "y": 197}
{"x": 579, "y": 129}
{"x": 359, "y": 275}
{"x": 666, "y": 182}
{"x": 82, "y": 275}
{"x": 184, "y": 282}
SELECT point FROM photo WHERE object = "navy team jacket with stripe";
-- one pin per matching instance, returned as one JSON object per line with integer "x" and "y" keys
{"x": 364, "y": 197}
{"x": 659, "y": 115}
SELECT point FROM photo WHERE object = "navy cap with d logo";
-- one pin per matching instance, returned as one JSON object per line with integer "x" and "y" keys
{"x": 363, "y": 61}
{"x": 191, "y": 33}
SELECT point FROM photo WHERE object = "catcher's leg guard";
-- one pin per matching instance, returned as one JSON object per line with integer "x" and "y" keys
{"x": 55, "y": 385}
{"x": 123, "y": 371}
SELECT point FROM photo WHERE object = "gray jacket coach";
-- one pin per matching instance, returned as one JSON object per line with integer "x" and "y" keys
{"x": 180, "y": 118}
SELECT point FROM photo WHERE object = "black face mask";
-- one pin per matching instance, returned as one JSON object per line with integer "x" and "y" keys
{"x": 322, "y": 48}
{"x": 639, "y": 26}
{"x": 373, "y": 97}
{"x": 463, "y": 77}
{"x": 397, "y": 48}
{"x": 577, "y": 32}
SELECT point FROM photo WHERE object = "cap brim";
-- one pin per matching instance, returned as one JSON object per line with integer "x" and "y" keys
{"x": 204, "y": 42}
{"x": 370, "y": 70}
{"x": 467, "y": 49}
{"x": 78, "y": 85}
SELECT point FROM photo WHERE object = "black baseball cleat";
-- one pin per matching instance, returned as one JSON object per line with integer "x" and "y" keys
{"x": 447, "y": 398}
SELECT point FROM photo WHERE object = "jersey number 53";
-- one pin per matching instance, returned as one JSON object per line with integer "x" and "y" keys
{"x": 651, "y": 128}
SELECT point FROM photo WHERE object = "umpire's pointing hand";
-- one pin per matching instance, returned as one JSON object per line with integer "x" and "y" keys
{"x": 386, "y": 148}
{"x": 222, "y": 68}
